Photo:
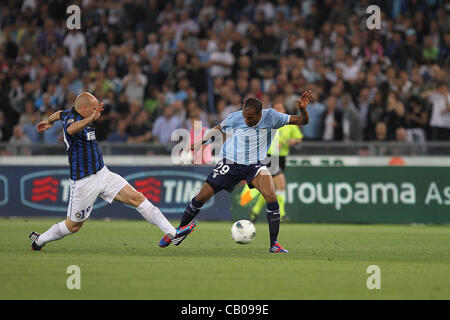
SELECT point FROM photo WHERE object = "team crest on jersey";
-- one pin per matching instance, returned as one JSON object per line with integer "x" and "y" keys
{"x": 70, "y": 121}
{"x": 90, "y": 135}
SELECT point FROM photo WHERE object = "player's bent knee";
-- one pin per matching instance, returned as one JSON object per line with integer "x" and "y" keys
{"x": 74, "y": 226}
{"x": 74, "y": 229}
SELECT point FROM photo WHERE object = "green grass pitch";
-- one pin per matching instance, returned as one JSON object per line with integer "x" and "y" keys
{"x": 120, "y": 259}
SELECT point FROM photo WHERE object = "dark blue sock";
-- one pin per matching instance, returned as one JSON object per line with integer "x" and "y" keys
{"x": 273, "y": 218}
{"x": 196, "y": 204}
{"x": 192, "y": 209}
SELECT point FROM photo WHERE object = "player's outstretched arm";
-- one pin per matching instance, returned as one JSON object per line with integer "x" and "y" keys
{"x": 78, "y": 126}
{"x": 207, "y": 137}
{"x": 47, "y": 124}
{"x": 302, "y": 102}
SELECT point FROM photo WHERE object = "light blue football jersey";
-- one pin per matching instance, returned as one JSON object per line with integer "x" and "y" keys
{"x": 248, "y": 145}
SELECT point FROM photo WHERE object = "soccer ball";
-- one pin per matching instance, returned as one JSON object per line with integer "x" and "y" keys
{"x": 243, "y": 231}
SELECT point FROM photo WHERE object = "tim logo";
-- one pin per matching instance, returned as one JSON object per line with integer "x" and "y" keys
{"x": 150, "y": 188}
{"x": 48, "y": 190}
{"x": 170, "y": 189}
{"x": 45, "y": 188}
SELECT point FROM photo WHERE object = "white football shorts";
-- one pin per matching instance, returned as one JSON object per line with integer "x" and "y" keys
{"x": 83, "y": 193}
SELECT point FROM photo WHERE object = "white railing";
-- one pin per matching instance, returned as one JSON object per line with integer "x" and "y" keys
{"x": 430, "y": 148}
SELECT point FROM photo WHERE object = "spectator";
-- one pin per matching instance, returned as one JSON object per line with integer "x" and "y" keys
{"x": 363, "y": 107}
{"x": 186, "y": 24}
{"x": 440, "y": 113}
{"x": 120, "y": 134}
{"x": 444, "y": 49}
{"x": 269, "y": 46}
{"x": 113, "y": 81}
{"x": 374, "y": 52}
{"x": 409, "y": 53}
{"x": 316, "y": 110}
{"x": 179, "y": 70}
{"x": 244, "y": 67}
{"x": 377, "y": 113}
{"x": 220, "y": 22}
{"x": 416, "y": 120}
{"x": 75, "y": 84}
{"x": 395, "y": 114}
{"x": 165, "y": 125}
{"x": 235, "y": 104}
{"x": 290, "y": 100}
{"x": 332, "y": 121}
{"x": 134, "y": 84}
{"x": 381, "y": 132}
{"x": 194, "y": 111}
{"x": 153, "y": 46}
{"x": 220, "y": 62}
{"x": 401, "y": 135}
{"x": 183, "y": 88}
{"x": 54, "y": 134}
{"x": 243, "y": 24}
{"x": 197, "y": 75}
{"x": 430, "y": 51}
{"x": 3, "y": 127}
{"x": 351, "y": 121}
{"x": 29, "y": 129}
{"x": 267, "y": 7}
{"x": 139, "y": 129}
{"x": 350, "y": 68}
{"x": 381, "y": 136}
{"x": 394, "y": 47}
{"x": 75, "y": 41}
{"x": 203, "y": 52}
{"x": 19, "y": 142}
{"x": 402, "y": 148}
{"x": 16, "y": 96}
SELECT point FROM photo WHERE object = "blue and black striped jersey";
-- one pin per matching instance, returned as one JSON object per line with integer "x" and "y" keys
{"x": 85, "y": 155}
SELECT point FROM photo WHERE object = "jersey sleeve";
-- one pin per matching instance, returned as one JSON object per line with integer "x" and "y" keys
{"x": 68, "y": 120}
{"x": 63, "y": 114}
{"x": 278, "y": 119}
{"x": 227, "y": 124}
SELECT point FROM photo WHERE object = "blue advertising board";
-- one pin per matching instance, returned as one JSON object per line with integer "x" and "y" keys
{"x": 43, "y": 191}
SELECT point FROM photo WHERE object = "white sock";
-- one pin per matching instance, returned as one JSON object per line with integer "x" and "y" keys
{"x": 56, "y": 232}
{"x": 281, "y": 193}
{"x": 153, "y": 215}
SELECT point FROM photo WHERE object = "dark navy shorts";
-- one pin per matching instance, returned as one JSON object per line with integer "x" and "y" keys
{"x": 226, "y": 175}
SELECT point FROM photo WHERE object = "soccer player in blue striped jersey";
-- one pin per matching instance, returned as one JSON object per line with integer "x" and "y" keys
{"x": 85, "y": 156}
{"x": 252, "y": 131}
{"x": 90, "y": 178}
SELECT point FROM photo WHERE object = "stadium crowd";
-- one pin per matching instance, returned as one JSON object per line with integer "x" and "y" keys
{"x": 159, "y": 65}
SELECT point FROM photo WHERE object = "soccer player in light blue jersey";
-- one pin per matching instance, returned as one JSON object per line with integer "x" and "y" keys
{"x": 252, "y": 130}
